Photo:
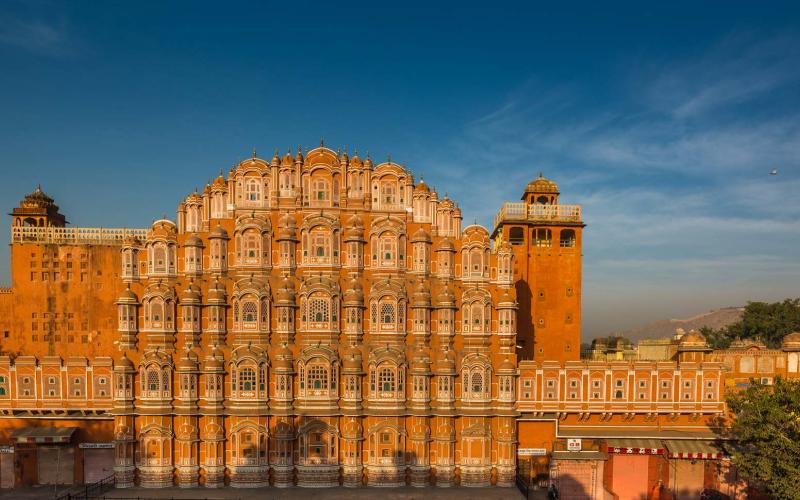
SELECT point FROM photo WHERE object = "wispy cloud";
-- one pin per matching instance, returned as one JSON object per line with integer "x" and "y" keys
{"x": 735, "y": 71}
{"x": 36, "y": 35}
{"x": 673, "y": 173}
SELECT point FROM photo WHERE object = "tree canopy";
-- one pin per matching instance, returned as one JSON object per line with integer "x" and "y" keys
{"x": 769, "y": 322}
{"x": 766, "y": 433}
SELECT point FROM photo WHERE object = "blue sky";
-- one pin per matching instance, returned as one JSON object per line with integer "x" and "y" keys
{"x": 662, "y": 120}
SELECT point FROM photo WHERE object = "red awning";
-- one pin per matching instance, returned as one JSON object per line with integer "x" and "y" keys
{"x": 41, "y": 435}
{"x": 693, "y": 449}
{"x": 635, "y": 446}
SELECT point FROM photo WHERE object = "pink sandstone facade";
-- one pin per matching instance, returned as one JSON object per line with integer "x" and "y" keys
{"x": 318, "y": 320}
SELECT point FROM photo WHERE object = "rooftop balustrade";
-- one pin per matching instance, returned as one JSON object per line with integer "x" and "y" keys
{"x": 74, "y": 235}
{"x": 523, "y": 212}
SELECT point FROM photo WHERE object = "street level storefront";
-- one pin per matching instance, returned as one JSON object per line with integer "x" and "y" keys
{"x": 98, "y": 461}
{"x": 634, "y": 467}
{"x": 694, "y": 465}
{"x": 44, "y": 455}
{"x": 578, "y": 474}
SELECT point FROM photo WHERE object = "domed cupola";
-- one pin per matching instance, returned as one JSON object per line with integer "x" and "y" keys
{"x": 420, "y": 363}
{"x": 188, "y": 361}
{"x": 193, "y": 241}
{"x": 283, "y": 360}
{"x": 791, "y": 342}
{"x": 190, "y": 295}
{"x": 286, "y": 295}
{"x": 352, "y": 361}
{"x": 446, "y": 298}
{"x": 216, "y": 293}
{"x": 287, "y": 161}
{"x": 214, "y": 361}
{"x": 127, "y": 297}
{"x": 287, "y": 228}
{"x": 354, "y": 295}
{"x": 422, "y": 187}
{"x": 38, "y": 209}
{"x": 421, "y": 296}
{"x": 541, "y": 190}
{"x": 354, "y": 230}
{"x": 421, "y": 235}
{"x": 219, "y": 232}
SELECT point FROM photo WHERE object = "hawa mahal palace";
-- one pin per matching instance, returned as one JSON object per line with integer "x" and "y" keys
{"x": 318, "y": 320}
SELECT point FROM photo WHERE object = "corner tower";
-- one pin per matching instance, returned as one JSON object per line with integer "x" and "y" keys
{"x": 546, "y": 238}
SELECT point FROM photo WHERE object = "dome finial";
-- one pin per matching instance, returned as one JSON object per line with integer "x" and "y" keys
{"x": 322, "y": 142}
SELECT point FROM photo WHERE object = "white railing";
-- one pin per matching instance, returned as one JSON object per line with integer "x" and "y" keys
{"x": 521, "y": 211}
{"x": 74, "y": 235}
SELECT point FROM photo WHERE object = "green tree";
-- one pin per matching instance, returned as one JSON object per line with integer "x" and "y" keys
{"x": 769, "y": 322}
{"x": 766, "y": 433}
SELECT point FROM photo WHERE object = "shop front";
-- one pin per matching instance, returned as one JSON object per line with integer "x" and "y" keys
{"x": 44, "y": 455}
{"x": 692, "y": 467}
{"x": 634, "y": 467}
{"x": 578, "y": 475}
{"x": 7, "y": 466}
{"x": 98, "y": 461}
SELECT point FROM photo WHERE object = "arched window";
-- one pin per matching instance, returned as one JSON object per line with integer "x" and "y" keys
{"x": 320, "y": 312}
{"x": 152, "y": 380}
{"x": 318, "y": 309}
{"x": 336, "y": 190}
{"x": 516, "y": 236}
{"x": 320, "y": 190}
{"x": 387, "y": 314}
{"x": 251, "y": 247}
{"x": 542, "y": 237}
{"x": 475, "y": 262}
{"x": 567, "y": 238}
{"x": 317, "y": 377}
{"x": 476, "y": 317}
{"x": 386, "y": 381}
{"x": 249, "y": 315}
{"x": 476, "y": 383}
{"x": 247, "y": 379}
{"x": 159, "y": 259}
{"x": 388, "y": 250}
{"x": 319, "y": 241}
{"x": 388, "y": 193}
{"x": 252, "y": 190}
{"x": 156, "y": 313}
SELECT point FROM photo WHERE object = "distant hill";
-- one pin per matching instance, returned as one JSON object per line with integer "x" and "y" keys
{"x": 666, "y": 327}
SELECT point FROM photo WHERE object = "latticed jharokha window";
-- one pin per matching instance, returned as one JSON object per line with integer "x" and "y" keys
{"x": 252, "y": 190}
{"x": 317, "y": 377}
{"x": 387, "y": 313}
{"x": 320, "y": 189}
{"x": 386, "y": 381}
{"x": 247, "y": 379}
{"x": 318, "y": 310}
{"x": 388, "y": 193}
{"x": 476, "y": 383}
{"x": 152, "y": 380}
{"x": 388, "y": 249}
{"x": 249, "y": 314}
{"x": 160, "y": 259}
